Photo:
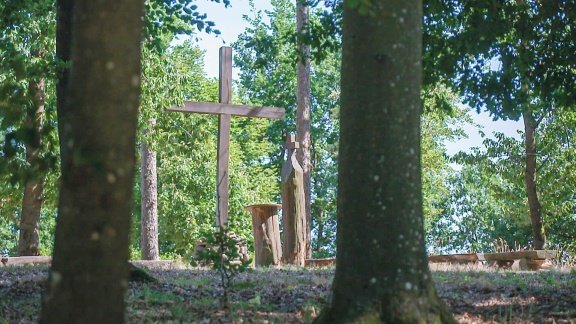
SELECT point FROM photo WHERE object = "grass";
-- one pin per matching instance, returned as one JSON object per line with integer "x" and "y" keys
{"x": 475, "y": 294}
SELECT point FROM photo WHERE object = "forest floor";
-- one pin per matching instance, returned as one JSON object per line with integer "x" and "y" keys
{"x": 474, "y": 294}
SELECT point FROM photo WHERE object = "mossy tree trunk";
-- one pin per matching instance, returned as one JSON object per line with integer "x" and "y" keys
{"x": 382, "y": 273}
{"x": 89, "y": 273}
{"x": 29, "y": 240}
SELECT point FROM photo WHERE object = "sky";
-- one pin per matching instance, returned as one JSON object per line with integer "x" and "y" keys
{"x": 230, "y": 23}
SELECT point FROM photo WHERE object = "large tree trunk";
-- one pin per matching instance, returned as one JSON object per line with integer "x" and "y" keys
{"x": 149, "y": 189}
{"x": 538, "y": 233}
{"x": 382, "y": 273}
{"x": 29, "y": 241}
{"x": 303, "y": 111}
{"x": 89, "y": 273}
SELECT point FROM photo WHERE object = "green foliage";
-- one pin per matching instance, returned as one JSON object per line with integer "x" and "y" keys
{"x": 165, "y": 19}
{"x": 502, "y": 54}
{"x": 223, "y": 255}
{"x": 27, "y": 55}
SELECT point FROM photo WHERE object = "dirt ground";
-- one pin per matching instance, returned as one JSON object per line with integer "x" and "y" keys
{"x": 473, "y": 294}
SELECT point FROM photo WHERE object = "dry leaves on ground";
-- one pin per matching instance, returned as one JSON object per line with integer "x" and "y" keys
{"x": 475, "y": 295}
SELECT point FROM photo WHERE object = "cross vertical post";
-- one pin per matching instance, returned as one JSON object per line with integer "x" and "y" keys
{"x": 223, "y": 158}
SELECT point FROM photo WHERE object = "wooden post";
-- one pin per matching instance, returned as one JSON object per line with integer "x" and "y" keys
{"x": 222, "y": 178}
{"x": 293, "y": 208}
{"x": 225, "y": 110}
{"x": 267, "y": 244}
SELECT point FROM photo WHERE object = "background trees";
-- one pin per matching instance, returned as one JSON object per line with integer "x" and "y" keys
{"x": 512, "y": 58}
{"x": 28, "y": 146}
{"x": 484, "y": 186}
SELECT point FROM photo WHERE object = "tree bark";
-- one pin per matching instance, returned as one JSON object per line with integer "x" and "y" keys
{"x": 29, "y": 240}
{"x": 303, "y": 111}
{"x": 89, "y": 274}
{"x": 149, "y": 202}
{"x": 538, "y": 232}
{"x": 382, "y": 273}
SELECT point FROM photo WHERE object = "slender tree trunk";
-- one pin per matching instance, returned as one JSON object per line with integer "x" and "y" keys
{"x": 29, "y": 241}
{"x": 149, "y": 189}
{"x": 303, "y": 111}
{"x": 538, "y": 232}
{"x": 382, "y": 273}
{"x": 320, "y": 237}
{"x": 89, "y": 273}
{"x": 64, "y": 9}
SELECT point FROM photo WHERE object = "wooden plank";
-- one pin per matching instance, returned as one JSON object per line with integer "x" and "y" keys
{"x": 529, "y": 254}
{"x": 213, "y": 108}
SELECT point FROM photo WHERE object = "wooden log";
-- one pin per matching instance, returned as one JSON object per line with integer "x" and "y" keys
{"x": 266, "y": 228}
{"x": 293, "y": 208}
{"x": 157, "y": 264}
{"x": 454, "y": 258}
{"x": 320, "y": 262}
{"x": 26, "y": 260}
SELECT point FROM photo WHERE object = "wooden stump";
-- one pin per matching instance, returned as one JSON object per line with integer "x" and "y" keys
{"x": 267, "y": 244}
{"x": 293, "y": 208}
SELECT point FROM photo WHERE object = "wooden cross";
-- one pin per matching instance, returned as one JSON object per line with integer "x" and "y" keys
{"x": 291, "y": 143}
{"x": 225, "y": 110}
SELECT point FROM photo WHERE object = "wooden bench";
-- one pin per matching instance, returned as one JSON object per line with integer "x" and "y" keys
{"x": 522, "y": 260}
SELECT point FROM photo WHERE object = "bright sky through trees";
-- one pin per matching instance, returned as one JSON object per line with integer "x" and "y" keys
{"x": 230, "y": 23}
